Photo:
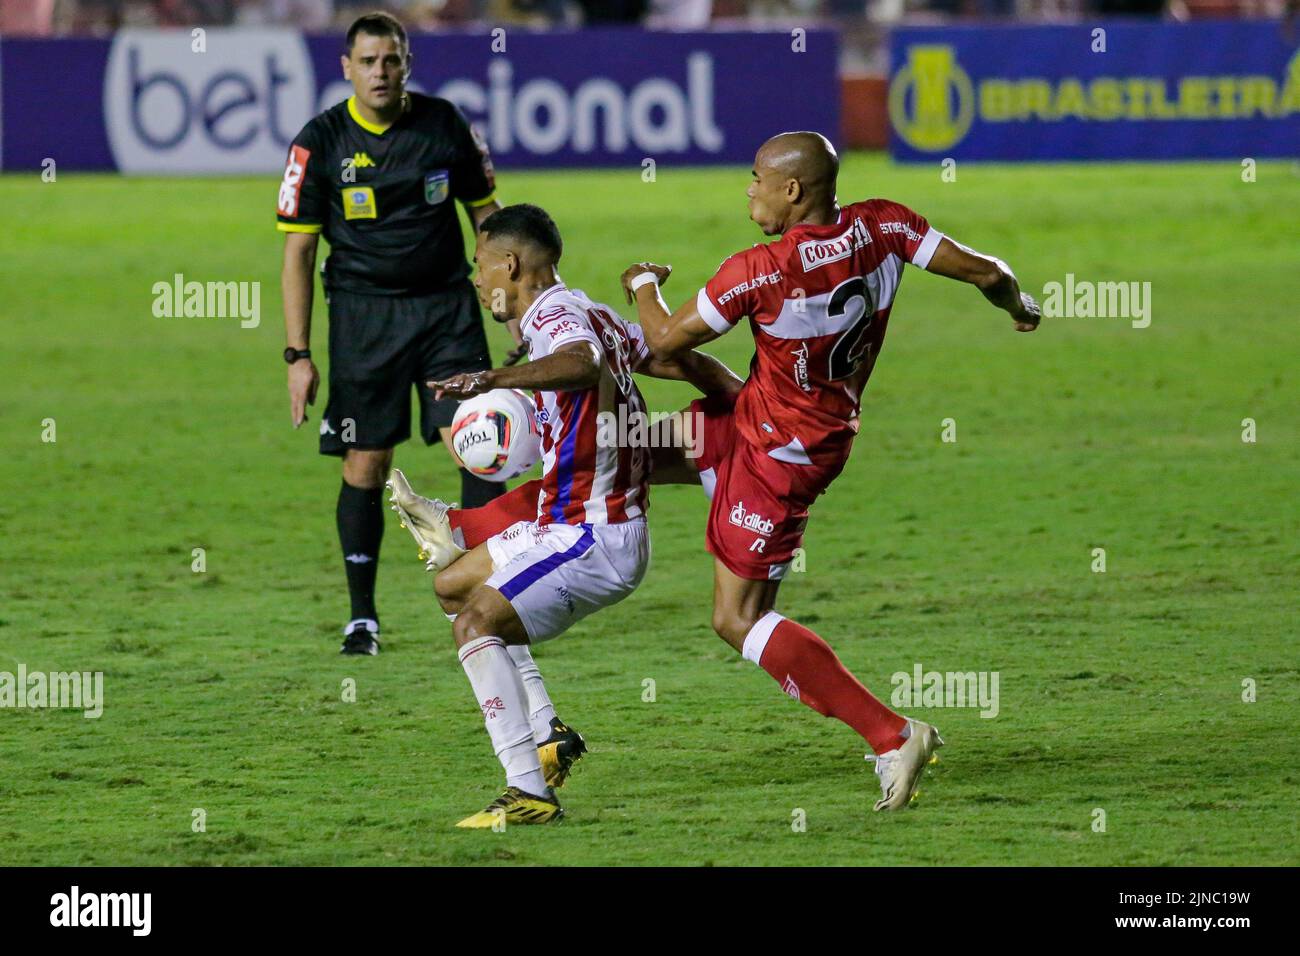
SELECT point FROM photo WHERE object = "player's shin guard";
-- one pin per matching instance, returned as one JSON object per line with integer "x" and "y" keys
{"x": 470, "y": 527}
{"x": 809, "y": 671}
{"x": 504, "y": 702}
{"x": 540, "y": 709}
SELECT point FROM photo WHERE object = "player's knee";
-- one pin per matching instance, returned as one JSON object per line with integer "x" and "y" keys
{"x": 731, "y": 626}
{"x": 367, "y": 469}
{"x": 470, "y": 624}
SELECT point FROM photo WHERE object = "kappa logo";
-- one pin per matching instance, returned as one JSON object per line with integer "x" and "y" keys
{"x": 358, "y": 558}
{"x": 790, "y": 687}
{"x": 750, "y": 520}
{"x": 816, "y": 253}
{"x": 326, "y": 428}
{"x": 362, "y": 160}
{"x": 491, "y": 706}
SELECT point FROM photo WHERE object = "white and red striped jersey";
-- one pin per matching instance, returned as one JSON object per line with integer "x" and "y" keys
{"x": 590, "y": 474}
{"x": 818, "y": 301}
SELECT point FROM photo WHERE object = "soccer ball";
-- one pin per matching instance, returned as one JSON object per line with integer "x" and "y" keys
{"x": 495, "y": 434}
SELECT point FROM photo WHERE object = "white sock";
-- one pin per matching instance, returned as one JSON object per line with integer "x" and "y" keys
{"x": 540, "y": 709}
{"x": 501, "y": 696}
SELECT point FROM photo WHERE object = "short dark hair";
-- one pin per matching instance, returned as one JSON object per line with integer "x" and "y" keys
{"x": 529, "y": 223}
{"x": 378, "y": 24}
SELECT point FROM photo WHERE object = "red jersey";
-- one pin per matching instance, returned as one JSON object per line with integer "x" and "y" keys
{"x": 818, "y": 302}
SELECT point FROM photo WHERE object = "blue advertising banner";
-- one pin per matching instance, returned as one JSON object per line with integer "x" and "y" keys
{"x": 1119, "y": 90}
{"x": 167, "y": 102}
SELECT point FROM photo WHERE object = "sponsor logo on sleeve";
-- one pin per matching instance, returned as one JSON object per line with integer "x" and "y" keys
{"x": 816, "y": 253}
{"x": 291, "y": 186}
{"x": 771, "y": 278}
{"x": 902, "y": 229}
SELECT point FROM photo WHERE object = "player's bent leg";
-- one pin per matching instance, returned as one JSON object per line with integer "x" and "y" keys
{"x": 559, "y": 746}
{"x": 483, "y": 629}
{"x": 456, "y": 582}
{"x": 360, "y": 519}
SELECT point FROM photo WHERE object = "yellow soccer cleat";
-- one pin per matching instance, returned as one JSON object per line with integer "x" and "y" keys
{"x": 900, "y": 770}
{"x": 512, "y": 807}
{"x": 426, "y": 519}
{"x": 560, "y": 752}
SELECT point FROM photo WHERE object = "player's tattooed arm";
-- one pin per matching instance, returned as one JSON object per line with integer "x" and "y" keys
{"x": 667, "y": 333}
{"x": 570, "y": 367}
{"x": 991, "y": 276}
{"x": 710, "y": 375}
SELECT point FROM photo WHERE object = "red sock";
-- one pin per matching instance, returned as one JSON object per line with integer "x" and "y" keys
{"x": 808, "y": 670}
{"x": 472, "y": 526}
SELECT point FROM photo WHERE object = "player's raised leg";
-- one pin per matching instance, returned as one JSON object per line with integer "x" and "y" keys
{"x": 809, "y": 670}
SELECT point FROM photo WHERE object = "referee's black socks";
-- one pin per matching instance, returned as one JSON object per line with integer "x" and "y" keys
{"x": 475, "y": 492}
{"x": 361, "y": 527}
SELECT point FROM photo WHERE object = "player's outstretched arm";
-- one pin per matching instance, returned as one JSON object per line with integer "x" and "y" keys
{"x": 991, "y": 276}
{"x": 710, "y": 375}
{"x": 667, "y": 333}
{"x": 569, "y": 368}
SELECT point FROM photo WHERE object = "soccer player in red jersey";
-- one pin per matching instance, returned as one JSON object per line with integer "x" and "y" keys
{"x": 818, "y": 301}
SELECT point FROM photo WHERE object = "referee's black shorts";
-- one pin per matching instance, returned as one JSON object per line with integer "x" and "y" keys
{"x": 382, "y": 345}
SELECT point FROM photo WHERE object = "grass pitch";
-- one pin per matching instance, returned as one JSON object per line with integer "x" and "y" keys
{"x": 1120, "y": 691}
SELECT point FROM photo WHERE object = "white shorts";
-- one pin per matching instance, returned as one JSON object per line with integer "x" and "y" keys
{"x": 557, "y": 574}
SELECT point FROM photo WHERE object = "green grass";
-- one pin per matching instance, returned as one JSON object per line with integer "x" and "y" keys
{"x": 1120, "y": 691}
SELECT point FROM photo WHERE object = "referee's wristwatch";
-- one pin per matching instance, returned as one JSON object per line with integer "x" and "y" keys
{"x": 292, "y": 354}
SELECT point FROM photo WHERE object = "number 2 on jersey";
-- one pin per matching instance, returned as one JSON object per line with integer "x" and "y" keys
{"x": 853, "y": 299}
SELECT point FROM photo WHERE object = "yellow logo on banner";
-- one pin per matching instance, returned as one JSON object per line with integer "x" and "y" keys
{"x": 931, "y": 99}
{"x": 358, "y": 202}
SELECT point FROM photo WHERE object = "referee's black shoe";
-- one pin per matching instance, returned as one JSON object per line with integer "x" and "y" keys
{"x": 361, "y": 637}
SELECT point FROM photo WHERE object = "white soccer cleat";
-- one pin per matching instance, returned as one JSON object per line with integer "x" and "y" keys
{"x": 900, "y": 770}
{"x": 426, "y": 519}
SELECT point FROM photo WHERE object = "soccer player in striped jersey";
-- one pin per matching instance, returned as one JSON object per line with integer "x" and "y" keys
{"x": 818, "y": 300}
{"x": 583, "y": 544}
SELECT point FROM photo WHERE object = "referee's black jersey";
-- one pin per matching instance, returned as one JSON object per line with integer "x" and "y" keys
{"x": 384, "y": 197}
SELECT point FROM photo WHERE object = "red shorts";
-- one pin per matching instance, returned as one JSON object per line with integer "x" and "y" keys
{"x": 759, "y": 503}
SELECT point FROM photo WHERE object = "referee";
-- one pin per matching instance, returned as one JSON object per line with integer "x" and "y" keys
{"x": 378, "y": 177}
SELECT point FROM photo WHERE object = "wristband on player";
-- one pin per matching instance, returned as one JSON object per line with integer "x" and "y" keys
{"x": 644, "y": 278}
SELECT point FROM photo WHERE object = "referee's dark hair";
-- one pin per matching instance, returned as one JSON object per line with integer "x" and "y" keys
{"x": 378, "y": 24}
{"x": 526, "y": 223}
